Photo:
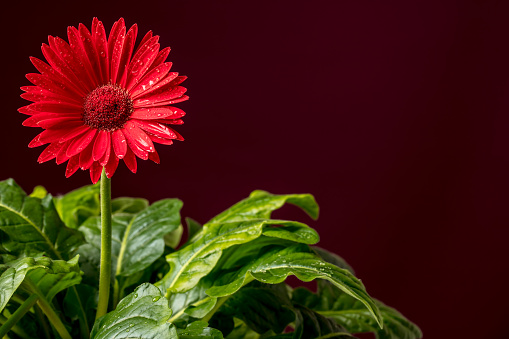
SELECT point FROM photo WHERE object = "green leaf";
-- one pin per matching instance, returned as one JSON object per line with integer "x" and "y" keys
{"x": 193, "y": 228}
{"x": 242, "y": 331}
{"x": 310, "y": 324}
{"x": 39, "y": 192}
{"x": 77, "y": 206}
{"x": 332, "y": 258}
{"x": 198, "y": 258}
{"x": 261, "y": 307}
{"x": 199, "y": 329}
{"x": 82, "y": 304}
{"x": 351, "y": 314}
{"x": 278, "y": 263}
{"x": 260, "y": 205}
{"x": 173, "y": 238}
{"x": 142, "y": 314}
{"x": 32, "y": 225}
{"x": 128, "y": 205}
{"x": 54, "y": 275}
{"x": 137, "y": 238}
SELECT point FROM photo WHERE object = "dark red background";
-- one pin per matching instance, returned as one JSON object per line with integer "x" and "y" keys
{"x": 394, "y": 114}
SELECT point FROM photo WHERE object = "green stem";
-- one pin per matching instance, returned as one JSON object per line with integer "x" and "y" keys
{"x": 116, "y": 292}
{"x": 16, "y": 329}
{"x": 47, "y": 309}
{"x": 105, "y": 268}
{"x": 16, "y": 316}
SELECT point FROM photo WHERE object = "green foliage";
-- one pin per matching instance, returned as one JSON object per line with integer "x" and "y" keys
{"x": 76, "y": 206}
{"x": 227, "y": 280}
{"x": 32, "y": 226}
{"x": 350, "y": 313}
{"x": 199, "y": 330}
{"x": 142, "y": 314}
{"x": 50, "y": 276}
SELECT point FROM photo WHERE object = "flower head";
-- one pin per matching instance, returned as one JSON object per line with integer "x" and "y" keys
{"x": 100, "y": 100}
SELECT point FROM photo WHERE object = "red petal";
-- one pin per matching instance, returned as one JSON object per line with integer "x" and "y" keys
{"x": 159, "y": 99}
{"x": 170, "y": 121}
{"x": 74, "y": 62}
{"x": 154, "y": 157}
{"x": 62, "y": 156}
{"x": 115, "y": 31}
{"x": 127, "y": 52}
{"x": 143, "y": 41}
{"x": 46, "y": 83}
{"x": 79, "y": 143}
{"x": 106, "y": 156}
{"x": 112, "y": 165}
{"x": 61, "y": 67}
{"x": 101, "y": 45}
{"x": 72, "y": 166}
{"x": 48, "y": 136}
{"x": 50, "y": 152}
{"x": 95, "y": 172}
{"x": 34, "y": 120}
{"x": 102, "y": 142}
{"x": 116, "y": 51}
{"x": 50, "y": 107}
{"x": 60, "y": 123}
{"x": 179, "y": 137}
{"x": 119, "y": 143}
{"x": 135, "y": 136}
{"x": 54, "y": 75}
{"x": 138, "y": 68}
{"x": 79, "y": 50}
{"x": 160, "y": 140}
{"x": 158, "y": 113}
{"x": 91, "y": 53}
{"x": 86, "y": 158}
{"x": 71, "y": 133}
{"x": 151, "y": 79}
{"x": 161, "y": 57}
{"x": 145, "y": 45}
{"x": 39, "y": 94}
{"x": 140, "y": 92}
{"x": 156, "y": 129}
{"x": 130, "y": 160}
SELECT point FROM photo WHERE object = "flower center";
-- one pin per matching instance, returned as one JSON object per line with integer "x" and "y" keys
{"x": 107, "y": 108}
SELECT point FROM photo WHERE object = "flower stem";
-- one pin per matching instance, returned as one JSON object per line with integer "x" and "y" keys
{"x": 16, "y": 316}
{"x": 105, "y": 268}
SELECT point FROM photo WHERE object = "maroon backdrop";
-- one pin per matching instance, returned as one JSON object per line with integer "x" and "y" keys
{"x": 394, "y": 114}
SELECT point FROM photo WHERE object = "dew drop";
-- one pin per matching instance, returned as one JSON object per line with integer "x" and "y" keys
{"x": 156, "y": 299}
{"x": 128, "y": 330}
{"x": 131, "y": 325}
{"x": 136, "y": 295}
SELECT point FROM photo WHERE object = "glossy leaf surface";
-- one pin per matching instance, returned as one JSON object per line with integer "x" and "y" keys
{"x": 350, "y": 313}
{"x": 199, "y": 330}
{"x": 33, "y": 226}
{"x": 142, "y": 314}
{"x": 51, "y": 276}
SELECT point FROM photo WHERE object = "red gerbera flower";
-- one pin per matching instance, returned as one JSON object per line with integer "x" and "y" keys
{"x": 100, "y": 100}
